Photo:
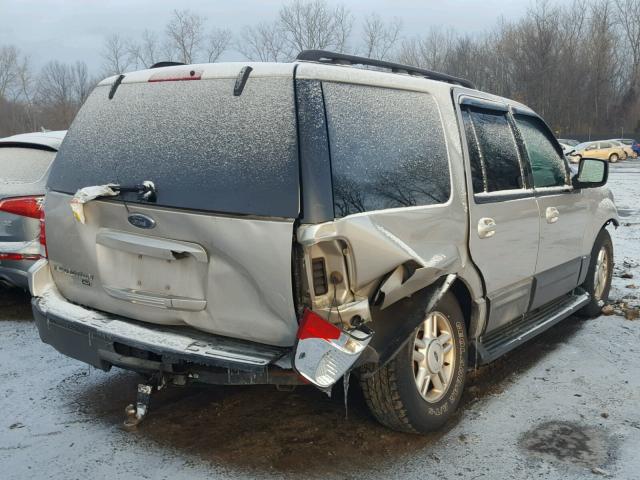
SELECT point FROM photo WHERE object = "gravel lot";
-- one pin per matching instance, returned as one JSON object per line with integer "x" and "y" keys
{"x": 565, "y": 405}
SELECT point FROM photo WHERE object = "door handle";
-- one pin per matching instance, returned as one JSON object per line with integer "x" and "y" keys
{"x": 552, "y": 214}
{"x": 486, "y": 227}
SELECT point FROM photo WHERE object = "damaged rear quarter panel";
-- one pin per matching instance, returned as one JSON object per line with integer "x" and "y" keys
{"x": 381, "y": 241}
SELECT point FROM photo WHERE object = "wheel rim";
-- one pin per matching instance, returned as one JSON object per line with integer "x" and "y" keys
{"x": 601, "y": 274}
{"x": 614, "y": 158}
{"x": 434, "y": 356}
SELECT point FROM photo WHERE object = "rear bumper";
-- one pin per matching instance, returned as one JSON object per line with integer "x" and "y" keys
{"x": 104, "y": 340}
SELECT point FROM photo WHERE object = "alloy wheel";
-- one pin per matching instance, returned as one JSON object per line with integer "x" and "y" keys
{"x": 434, "y": 356}
{"x": 601, "y": 273}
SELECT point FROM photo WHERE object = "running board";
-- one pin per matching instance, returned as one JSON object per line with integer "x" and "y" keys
{"x": 503, "y": 339}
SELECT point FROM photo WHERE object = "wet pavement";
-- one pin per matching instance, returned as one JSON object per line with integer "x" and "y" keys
{"x": 564, "y": 405}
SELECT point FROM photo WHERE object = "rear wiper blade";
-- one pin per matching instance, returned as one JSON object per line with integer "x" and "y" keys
{"x": 145, "y": 190}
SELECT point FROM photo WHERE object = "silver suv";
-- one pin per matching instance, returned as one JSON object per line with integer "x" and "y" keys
{"x": 292, "y": 223}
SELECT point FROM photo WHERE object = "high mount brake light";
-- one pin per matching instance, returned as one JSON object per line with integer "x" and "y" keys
{"x": 24, "y": 206}
{"x": 175, "y": 76}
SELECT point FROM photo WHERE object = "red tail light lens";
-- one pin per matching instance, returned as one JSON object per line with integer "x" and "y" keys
{"x": 314, "y": 326}
{"x": 24, "y": 206}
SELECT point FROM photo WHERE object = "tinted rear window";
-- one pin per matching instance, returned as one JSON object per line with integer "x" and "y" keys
{"x": 23, "y": 165}
{"x": 201, "y": 146}
{"x": 387, "y": 148}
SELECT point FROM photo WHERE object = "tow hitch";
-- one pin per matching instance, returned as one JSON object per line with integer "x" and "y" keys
{"x": 136, "y": 413}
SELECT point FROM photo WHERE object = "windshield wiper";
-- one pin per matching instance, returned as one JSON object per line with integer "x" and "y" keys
{"x": 145, "y": 190}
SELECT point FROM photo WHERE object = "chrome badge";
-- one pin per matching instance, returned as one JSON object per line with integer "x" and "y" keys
{"x": 141, "y": 221}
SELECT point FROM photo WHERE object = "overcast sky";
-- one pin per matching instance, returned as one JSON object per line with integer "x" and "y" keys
{"x": 70, "y": 30}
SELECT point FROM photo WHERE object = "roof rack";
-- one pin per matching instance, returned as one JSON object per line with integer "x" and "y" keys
{"x": 324, "y": 56}
{"x": 166, "y": 64}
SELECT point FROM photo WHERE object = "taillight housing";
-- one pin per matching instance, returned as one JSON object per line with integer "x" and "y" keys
{"x": 324, "y": 352}
{"x": 30, "y": 207}
{"x": 24, "y": 206}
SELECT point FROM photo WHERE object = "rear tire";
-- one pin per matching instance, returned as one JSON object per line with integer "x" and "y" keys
{"x": 598, "y": 281}
{"x": 392, "y": 392}
{"x": 613, "y": 158}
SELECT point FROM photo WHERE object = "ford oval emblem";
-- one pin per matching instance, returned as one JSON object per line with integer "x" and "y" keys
{"x": 141, "y": 221}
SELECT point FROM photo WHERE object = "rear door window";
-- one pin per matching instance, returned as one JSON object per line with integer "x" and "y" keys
{"x": 203, "y": 147}
{"x": 547, "y": 164}
{"x": 493, "y": 151}
{"x": 24, "y": 164}
{"x": 387, "y": 148}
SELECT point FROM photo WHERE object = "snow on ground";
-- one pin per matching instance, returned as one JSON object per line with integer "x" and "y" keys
{"x": 563, "y": 406}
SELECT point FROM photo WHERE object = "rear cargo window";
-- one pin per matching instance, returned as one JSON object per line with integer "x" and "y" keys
{"x": 203, "y": 147}
{"x": 387, "y": 148}
{"x": 23, "y": 165}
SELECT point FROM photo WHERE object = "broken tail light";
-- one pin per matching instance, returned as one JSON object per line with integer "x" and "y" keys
{"x": 324, "y": 352}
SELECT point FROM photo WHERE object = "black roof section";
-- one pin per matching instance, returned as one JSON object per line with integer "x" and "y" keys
{"x": 323, "y": 56}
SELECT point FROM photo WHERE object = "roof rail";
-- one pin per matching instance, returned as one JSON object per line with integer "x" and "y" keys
{"x": 166, "y": 64}
{"x": 324, "y": 56}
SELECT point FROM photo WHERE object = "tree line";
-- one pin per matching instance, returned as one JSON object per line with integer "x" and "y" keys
{"x": 576, "y": 64}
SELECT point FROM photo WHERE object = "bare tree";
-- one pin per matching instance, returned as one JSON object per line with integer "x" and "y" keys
{"x": 146, "y": 52}
{"x": 265, "y": 42}
{"x": 61, "y": 90}
{"x": 116, "y": 58}
{"x": 379, "y": 37}
{"x": 217, "y": 43}
{"x": 8, "y": 68}
{"x": 314, "y": 24}
{"x": 431, "y": 51}
{"x": 185, "y": 35}
{"x": 82, "y": 83}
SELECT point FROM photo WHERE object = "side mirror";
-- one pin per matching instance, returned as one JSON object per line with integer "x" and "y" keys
{"x": 592, "y": 173}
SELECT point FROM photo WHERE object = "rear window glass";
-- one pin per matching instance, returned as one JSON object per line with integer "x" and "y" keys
{"x": 23, "y": 165}
{"x": 203, "y": 147}
{"x": 387, "y": 148}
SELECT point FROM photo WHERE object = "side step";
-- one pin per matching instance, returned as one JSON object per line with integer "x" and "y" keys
{"x": 503, "y": 339}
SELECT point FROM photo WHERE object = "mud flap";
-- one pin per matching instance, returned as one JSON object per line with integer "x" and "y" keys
{"x": 324, "y": 352}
